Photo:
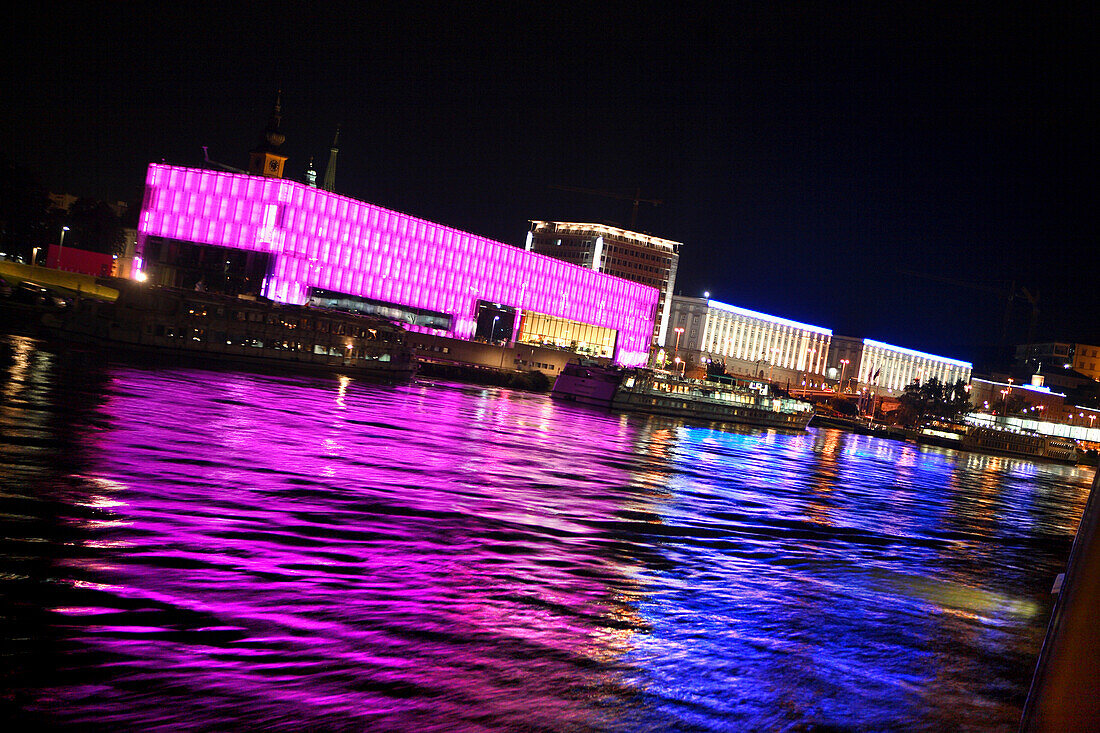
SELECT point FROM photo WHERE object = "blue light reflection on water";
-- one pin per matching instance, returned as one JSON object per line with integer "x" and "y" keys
{"x": 813, "y": 573}
{"x": 230, "y": 550}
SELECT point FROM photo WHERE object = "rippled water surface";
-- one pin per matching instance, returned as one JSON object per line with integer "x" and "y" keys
{"x": 201, "y": 549}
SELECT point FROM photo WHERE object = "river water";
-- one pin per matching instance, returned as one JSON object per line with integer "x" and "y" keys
{"x": 188, "y": 549}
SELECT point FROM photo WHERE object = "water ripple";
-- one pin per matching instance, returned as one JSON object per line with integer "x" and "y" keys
{"x": 190, "y": 549}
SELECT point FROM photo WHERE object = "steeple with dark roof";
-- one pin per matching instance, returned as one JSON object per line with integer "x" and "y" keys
{"x": 265, "y": 159}
{"x": 330, "y": 169}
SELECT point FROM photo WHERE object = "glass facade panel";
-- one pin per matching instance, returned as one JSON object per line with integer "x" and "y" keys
{"x": 544, "y": 330}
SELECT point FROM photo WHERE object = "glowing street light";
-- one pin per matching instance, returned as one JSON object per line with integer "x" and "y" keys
{"x": 61, "y": 246}
{"x": 843, "y": 365}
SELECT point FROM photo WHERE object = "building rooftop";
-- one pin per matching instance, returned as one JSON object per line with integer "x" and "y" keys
{"x": 766, "y": 317}
{"x": 913, "y": 352}
{"x": 567, "y": 227}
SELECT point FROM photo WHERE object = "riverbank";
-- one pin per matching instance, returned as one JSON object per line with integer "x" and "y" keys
{"x": 72, "y": 282}
{"x": 531, "y": 381}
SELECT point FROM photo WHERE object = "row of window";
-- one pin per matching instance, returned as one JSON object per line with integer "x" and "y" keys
{"x": 320, "y": 325}
{"x": 434, "y": 347}
{"x": 535, "y": 364}
{"x": 203, "y": 335}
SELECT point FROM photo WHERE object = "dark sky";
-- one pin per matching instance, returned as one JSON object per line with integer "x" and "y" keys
{"x": 804, "y": 154}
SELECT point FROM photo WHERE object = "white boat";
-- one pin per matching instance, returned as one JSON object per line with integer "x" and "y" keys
{"x": 732, "y": 400}
{"x": 721, "y": 399}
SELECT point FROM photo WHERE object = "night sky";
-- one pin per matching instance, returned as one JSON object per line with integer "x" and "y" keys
{"x": 804, "y": 155}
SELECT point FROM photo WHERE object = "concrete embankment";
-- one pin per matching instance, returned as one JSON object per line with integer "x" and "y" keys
{"x": 85, "y": 285}
{"x": 534, "y": 381}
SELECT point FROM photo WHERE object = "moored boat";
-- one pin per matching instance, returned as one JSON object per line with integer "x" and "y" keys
{"x": 587, "y": 382}
{"x": 184, "y": 326}
{"x": 732, "y": 400}
{"x": 1020, "y": 443}
{"x": 860, "y": 425}
{"x": 942, "y": 435}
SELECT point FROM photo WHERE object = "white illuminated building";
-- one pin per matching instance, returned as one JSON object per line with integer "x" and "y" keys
{"x": 894, "y": 367}
{"x": 725, "y": 332}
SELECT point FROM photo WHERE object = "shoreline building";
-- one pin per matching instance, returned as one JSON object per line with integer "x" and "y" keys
{"x": 894, "y": 367}
{"x": 746, "y": 341}
{"x": 613, "y": 251}
{"x": 295, "y": 243}
{"x": 1051, "y": 358}
{"x": 843, "y": 361}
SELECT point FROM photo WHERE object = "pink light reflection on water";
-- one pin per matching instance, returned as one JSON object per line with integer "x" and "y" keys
{"x": 404, "y": 558}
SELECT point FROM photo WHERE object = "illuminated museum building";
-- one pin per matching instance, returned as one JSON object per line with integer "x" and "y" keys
{"x": 295, "y": 243}
{"x": 758, "y": 341}
{"x": 893, "y": 367}
{"x": 613, "y": 251}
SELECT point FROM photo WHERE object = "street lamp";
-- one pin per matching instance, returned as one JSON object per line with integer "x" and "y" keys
{"x": 34, "y": 256}
{"x": 806, "y": 372}
{"x": 843, "y": 365}
{"x": 493, "y": 330}
{"x": 1004, "y": 402}
{"x": 61, "y": 246}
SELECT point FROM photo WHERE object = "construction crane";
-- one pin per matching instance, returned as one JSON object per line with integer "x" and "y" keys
{"x": 636, "y": 198}
{"x": 1005, "y": 289}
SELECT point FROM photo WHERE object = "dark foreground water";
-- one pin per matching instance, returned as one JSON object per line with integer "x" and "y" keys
{"x": 185, "y": 549}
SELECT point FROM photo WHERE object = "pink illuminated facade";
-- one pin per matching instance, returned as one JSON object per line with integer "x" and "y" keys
{"x": 317, "y": 240}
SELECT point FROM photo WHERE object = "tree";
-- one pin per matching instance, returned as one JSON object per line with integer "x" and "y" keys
{"x": 23, "y": 206}
{"x": 933, "y": 400}
{"x": 1013, "y": 404}
{"x": 1086, "y": 394}
{"x": 96, "y": 227}
{"x": 716, "y": 368}
{"x": 847, "y": 408}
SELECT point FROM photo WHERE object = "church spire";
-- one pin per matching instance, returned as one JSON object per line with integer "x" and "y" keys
{"x": 330, "y": 169}
{"x": 265, "y": 159}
